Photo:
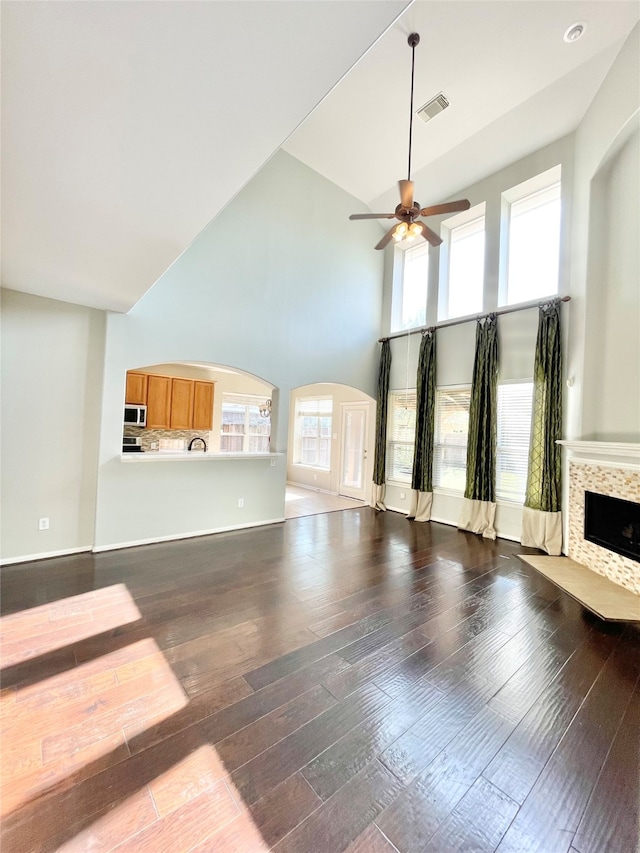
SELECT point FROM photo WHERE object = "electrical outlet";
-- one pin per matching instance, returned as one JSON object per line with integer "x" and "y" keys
{"x": 240, "y": 502}
{"x": 272, "y": 463}
{"x": 402, "y": 496}
{"x": 43, "y": 524}
{"x": 315, "y": 476}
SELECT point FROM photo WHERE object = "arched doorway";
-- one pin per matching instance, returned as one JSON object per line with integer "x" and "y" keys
{"x": 331, "y": 431}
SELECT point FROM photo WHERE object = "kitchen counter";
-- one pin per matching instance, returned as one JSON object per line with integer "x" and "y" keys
{"x": 193, "y": 456}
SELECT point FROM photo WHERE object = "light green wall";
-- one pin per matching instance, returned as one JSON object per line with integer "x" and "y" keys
{"x": 52, "y": 356}
{"x": 281, "y": 285}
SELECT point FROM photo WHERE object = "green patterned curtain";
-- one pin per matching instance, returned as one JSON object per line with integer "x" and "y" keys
{"x": 481, "y": 452}
{"x": 422, "y": 478}
{"x": 379, "y": 461}
{"x": 544, "y": 478}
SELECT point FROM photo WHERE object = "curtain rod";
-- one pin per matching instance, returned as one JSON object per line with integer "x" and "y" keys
{"x": 470, "y": 319}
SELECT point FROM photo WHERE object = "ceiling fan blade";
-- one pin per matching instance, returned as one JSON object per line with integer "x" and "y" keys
{"x": 448, "y": 207}
{"x": 387, "y": 237}
{"x": 406, "y": 194}
{"x": 372, "y": 216}
{"x": 428, "y": 234}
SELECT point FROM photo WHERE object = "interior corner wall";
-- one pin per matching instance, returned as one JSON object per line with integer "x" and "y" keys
{"x": 52, "y": 357}
{"x": 612, "y": 369}
{"x": 280, "y": 285}
{"x": 604, "y": 257}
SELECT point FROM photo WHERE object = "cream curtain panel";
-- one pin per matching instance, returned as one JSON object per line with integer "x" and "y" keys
{"x": 422, "y": 476}
{"x": 479, "y": 505}
{"x": 541, "y": 515}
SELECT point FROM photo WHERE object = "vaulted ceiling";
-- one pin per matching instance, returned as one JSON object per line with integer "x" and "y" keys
{"x": 128, "y": 126}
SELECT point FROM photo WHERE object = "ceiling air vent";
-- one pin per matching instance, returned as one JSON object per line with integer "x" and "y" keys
{"x": 433, "y": 107}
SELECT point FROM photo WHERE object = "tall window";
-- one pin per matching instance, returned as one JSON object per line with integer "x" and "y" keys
{"x": 411, "y": 280}
{"x": 462, "y": 273}
{"x": 531, "y": 239}
{"x": 451, "y": 435}
{"x": 312, "y": 432}
{"x": 401, "y": 432}
{"x": 243, "y": 429}
{"x": 515, "y": 400}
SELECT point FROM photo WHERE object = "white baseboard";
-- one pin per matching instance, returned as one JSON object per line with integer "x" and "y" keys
{"x": 45, "y": 555}
{"x": 192, "y": 535}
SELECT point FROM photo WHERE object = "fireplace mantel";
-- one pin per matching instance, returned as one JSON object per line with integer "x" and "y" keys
{"x": 614, "y": 454}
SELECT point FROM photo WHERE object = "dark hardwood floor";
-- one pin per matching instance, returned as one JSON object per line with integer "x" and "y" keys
{"x": 349, "y": 681}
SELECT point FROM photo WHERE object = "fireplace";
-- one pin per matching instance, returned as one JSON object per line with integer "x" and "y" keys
{"x": 609, "y": 471}
{"x": 612, "y": 523}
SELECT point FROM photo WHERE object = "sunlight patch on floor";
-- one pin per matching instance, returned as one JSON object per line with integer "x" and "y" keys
{"x": 44, "y": 629}
{"x": 76, "y": 723}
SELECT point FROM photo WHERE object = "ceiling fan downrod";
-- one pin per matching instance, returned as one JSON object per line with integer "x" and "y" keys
{"x": 413, "y": 41}
{"x": 408, "y": 211}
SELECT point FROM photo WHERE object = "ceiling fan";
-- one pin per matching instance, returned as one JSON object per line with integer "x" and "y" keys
{"x": 409, "y": 211}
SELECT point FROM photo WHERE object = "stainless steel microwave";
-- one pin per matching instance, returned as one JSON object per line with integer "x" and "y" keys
{"x": 135, "y": 415}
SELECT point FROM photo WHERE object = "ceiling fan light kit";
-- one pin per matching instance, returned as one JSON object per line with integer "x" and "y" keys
{"x": 408, "y": 211}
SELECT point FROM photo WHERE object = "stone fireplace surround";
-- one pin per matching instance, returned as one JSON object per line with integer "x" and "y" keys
{"x": 608, "y": 468}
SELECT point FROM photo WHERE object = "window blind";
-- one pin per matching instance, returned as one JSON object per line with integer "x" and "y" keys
{"x": 401, "y": 436}
{"x": 451, "y": 434}
{"x": 515, "y": 401}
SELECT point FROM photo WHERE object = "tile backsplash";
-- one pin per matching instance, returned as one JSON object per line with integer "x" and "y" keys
{"x": 151, "y": 437}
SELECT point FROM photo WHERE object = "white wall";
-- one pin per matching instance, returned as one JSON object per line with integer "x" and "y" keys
{"x": 329, "y": 481}
{"x": 52, "y": 354}
{"x": 281, "y": 285}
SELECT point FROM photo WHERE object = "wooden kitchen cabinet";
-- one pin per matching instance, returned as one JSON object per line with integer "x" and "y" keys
{"x": 202, "y": 405}
{"x": 136, "y": 390}
{"x": 172, "y": 402}
{"x": 182, "y": 393}
{"x": 158, "y": 402}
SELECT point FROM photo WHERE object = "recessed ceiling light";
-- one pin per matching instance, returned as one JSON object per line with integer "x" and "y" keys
{"x": 574, "y": 32}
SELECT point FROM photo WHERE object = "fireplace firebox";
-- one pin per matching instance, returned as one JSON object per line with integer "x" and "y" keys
{"x": 613, "y": 523}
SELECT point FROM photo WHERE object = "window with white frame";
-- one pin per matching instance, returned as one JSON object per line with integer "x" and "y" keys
{"x": 462, "y": 264}
{"x": 530, "y": 239}
{"x": 401, "y": 432}
{"x": 515, "y": 402}
{"x": 410, "y": 283}
{"x": 450, "y": 438}
{"x": 243, "y": 429}
{"x": 312, "y": 432}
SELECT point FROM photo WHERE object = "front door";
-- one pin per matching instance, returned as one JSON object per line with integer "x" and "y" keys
{"x": 354, "y": 450}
